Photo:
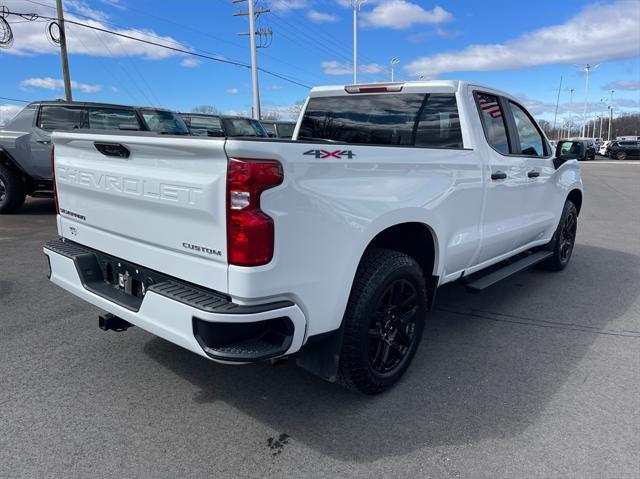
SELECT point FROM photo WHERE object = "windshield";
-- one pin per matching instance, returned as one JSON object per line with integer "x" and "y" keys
{"x": 165, "y": 122}
{"x": 243, "y": 127}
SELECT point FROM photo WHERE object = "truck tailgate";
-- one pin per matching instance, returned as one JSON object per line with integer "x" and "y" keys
{"x": 163, "y": 206}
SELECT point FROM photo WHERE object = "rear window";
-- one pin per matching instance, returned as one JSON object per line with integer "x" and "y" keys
{"x": 285, "y": 130}
{"x": 243, "y": 127}
{"x": 165, "y": 122}
{"x": 113, "y": 119}
{"x": 204, "y": 126}
{"x": 406, "y": 119}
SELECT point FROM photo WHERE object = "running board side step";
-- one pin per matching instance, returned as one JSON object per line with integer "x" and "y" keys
{"x": 510, "y": 269}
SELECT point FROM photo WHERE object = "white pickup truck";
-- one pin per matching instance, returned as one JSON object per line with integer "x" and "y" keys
{"x": 329, "y": 246}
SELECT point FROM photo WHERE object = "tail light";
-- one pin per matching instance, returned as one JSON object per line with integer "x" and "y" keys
{"x": 250, "y": 232}
{"x": 53, "y": 177}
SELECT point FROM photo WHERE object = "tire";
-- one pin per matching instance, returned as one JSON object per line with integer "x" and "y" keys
{"x": 12, "y": 191}
{"x": 383, "y": 322}
{"x": 621, "y": 155}
{"x": 564, "y": 239}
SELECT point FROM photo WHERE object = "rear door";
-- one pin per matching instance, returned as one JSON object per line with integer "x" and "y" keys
{"x": 504, "y": 195}
{"x": 539, "y": 201}
{"x": 157, "y": 201}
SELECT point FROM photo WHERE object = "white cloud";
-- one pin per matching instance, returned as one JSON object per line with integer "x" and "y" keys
{"x": 49, "y": 83}
{"x": 598, "y": 33}
{"x": 190, "y": 62}
{"x": 319, "y": 17}
{"x": 622, "y": 85}
{"x": 284, "y": 6}
{"x": 371, "y": 69}
{"x": 336, "y": 68}
{"x": 232, "y": 91}
{"x": 30, "y": 38}
{"x": 8, "y": 111}
{"x": 401, "y": 14}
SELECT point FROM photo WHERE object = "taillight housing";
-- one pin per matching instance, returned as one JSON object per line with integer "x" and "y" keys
{"x": 53, "y": 177}
{"x": 250, "y": 231}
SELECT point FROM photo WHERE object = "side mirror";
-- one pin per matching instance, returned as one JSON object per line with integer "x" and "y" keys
{"x": 568, "y": 150}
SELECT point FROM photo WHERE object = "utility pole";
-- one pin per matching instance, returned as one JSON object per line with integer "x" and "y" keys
{"x": 63, "y": 52}
{"x": 252, "y": 14}
{"x": 611, "y": 92}
{"x": 555, "y": 117}
{"x": 355, "y": 4}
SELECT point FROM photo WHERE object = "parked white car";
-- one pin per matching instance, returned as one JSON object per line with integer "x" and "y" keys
{"x": 331, "y": 246}
{"x": 603, "y": 148}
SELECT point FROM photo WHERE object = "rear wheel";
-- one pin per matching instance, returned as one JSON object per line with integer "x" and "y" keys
{"x": 12, "y": 191}
{"x": 384, "y": 321}
{"x": 564, "y": 238}
{"x": 621, "y": 155}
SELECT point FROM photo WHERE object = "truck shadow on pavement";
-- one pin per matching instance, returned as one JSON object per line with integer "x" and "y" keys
{"x": 487, "y": 367}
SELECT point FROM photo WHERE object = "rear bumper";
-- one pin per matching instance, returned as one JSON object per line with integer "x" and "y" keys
{"x": 202, "y": 321}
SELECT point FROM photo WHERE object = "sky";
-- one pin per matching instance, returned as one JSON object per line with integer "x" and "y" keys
{"x": 522, "y": 47}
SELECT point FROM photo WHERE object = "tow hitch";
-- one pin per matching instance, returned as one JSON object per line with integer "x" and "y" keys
{"x": 108, "y": 322}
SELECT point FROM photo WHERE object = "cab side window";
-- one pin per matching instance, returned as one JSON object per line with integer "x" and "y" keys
{"x": 531, "y": 140}
{"x": 493, "y": 122}
{"x": 54, "y": 117}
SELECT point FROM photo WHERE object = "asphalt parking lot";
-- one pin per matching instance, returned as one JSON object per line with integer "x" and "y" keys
{"x": 538, "y": 376}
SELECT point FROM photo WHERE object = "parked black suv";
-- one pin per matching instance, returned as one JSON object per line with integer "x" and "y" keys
{"x": 623, "y": 149}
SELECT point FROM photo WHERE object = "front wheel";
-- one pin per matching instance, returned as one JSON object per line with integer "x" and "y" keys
{"x": 621, "y": 155}
{"x": 383, "y": 322}
{"x": 564, "y": 238}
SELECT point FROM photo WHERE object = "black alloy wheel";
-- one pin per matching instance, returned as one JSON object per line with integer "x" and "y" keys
{"x": 392, "y": 332}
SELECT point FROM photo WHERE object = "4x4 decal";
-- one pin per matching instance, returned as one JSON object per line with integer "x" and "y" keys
{"x": 339, "y": 154}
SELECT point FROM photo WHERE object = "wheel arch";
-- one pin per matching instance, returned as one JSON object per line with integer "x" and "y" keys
{"x": 575, "y": 196}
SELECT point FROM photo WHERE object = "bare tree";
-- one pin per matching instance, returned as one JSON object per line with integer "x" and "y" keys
{"x": 208, "y": 109}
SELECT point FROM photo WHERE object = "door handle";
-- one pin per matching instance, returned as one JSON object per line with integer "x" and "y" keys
{"x": 533, "y": 174}
{"x": 44, "y": 142}
{"x": 499, "y": 175}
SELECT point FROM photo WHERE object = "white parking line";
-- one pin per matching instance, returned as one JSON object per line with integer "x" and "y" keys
{"x": 619, "y": 162}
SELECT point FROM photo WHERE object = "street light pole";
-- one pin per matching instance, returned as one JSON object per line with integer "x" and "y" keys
{"x": 394, "y": 61}
{"x": 355, "y": 4}
{"x": 571, "y": 90}
{"x": 611, "y": 92}
{"x": 63, "y": 52}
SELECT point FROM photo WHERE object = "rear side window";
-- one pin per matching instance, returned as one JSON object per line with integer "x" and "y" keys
{"x": 439, "y": 125}
{"x": 493, "y": 122}
{"x": 429, "y": 120}
{"x": 54, "y": 117}
{"x": 23, "y": 120}
{"x": 362, "y": 119}
{"x": 531, "y": 141}
{"x": 113, "y": 119}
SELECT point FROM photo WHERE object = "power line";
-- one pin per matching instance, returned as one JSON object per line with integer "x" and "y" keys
{"x": 176, "y": 49}
{"x": 14, "y": 99}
